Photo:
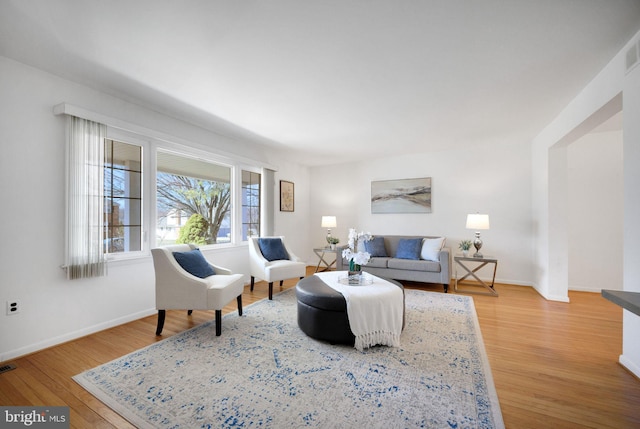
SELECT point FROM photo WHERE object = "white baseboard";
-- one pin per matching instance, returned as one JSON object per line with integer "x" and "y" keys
{"x": 498, "y": 281}
{"x": 551, "y": 297}
{"x": 584, "y": 289}
{"x": 13, "y": 354}
{"x": 629, "y": 365}
{"x": 512, "y": 282}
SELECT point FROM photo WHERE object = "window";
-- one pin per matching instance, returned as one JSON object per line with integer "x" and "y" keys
{"x": 122, "y": 197}
{"x": 200, "y": 196}
{"x": 193, "y": 199}
{"x": 250, "y": 204}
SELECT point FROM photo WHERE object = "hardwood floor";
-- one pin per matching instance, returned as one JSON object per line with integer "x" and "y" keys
{"x": 555, "y": 365}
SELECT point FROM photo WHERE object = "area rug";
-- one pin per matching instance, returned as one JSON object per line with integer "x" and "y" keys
{"x": 264, "y": 372}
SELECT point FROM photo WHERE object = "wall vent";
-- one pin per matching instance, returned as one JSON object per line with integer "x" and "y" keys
{"x": 633, "y": 54}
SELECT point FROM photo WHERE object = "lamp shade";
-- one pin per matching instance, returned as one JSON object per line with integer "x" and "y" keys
{"x": 477, "y": 221}
{"x": 329, "y": 222}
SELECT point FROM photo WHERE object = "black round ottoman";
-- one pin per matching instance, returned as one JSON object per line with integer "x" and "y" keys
{"x": 322, "y": 311}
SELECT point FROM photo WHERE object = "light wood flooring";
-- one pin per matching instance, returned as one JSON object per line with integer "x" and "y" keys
{"x": 555, "y": 365}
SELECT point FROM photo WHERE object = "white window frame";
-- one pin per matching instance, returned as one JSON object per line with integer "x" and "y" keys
{"x": 151, "y": 140}
{"x": 134, "y": 139}
{"x": 187, "y": 152}
{"x": 238, "y": 198}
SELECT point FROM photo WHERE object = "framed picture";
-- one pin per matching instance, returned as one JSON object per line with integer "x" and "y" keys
{"x": 401, "y": 196}
{"x": 286, "y": 196}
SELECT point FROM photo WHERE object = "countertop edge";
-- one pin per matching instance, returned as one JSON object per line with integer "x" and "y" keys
{"x": 627, "y": 300}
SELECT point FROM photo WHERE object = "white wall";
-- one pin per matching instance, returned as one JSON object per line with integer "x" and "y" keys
{"x": 630, "y": 357}
{"x": 294, "y": 225}
{"x": 32, "y": 215}
{"x": 487, "y": 179}
{"x": 595, "y": 207}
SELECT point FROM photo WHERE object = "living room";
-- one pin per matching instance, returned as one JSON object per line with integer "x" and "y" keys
{"x": 522, "y": 184}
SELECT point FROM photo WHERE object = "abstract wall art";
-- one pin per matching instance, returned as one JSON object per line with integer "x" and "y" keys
{"x": 401, "y": 196}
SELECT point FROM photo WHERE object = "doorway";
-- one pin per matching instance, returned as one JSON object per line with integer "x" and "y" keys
{"x": 586, "y": 204}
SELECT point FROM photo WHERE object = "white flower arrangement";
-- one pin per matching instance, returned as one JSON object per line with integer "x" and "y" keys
{"x": 356, "y": 258}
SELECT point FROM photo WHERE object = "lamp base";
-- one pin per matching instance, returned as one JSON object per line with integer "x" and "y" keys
{"x": 477, "y": 243}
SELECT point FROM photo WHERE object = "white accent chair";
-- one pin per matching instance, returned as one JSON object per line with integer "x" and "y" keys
{"x": 272, "y": 271}
{"x": 177, "y": 289}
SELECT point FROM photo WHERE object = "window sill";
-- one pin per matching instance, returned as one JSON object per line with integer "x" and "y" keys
{"x": 134, "y": 258}
{"x": 137, "y": 257}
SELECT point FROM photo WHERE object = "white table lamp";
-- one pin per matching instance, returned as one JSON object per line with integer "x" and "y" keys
{"x": 477, "y": 222}
{"x": 329, "y": 222}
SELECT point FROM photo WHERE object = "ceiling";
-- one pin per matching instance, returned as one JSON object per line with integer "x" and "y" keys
{"x": 332, "y": 79}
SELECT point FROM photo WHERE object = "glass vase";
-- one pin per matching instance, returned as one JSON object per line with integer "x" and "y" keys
{"x": 354, "y": 269}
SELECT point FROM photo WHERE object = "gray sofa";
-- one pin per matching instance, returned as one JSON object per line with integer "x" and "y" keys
{"x": 425, "y": 271}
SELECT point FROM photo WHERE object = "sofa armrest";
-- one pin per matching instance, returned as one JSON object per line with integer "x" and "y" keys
{"x": 445, "y": 265}
{"x": 340, "y": 265}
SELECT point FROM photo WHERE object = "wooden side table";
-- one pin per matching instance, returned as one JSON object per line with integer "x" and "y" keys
{"x": 321, "y": 251}
{"x": 463, "y": 261}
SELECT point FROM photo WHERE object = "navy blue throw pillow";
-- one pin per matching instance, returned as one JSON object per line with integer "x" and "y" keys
{"x": 194, "y": 263}
{"x": 272, "y": 249}
{"x": 409, "y": 248}
{"x": 375, "y": 247}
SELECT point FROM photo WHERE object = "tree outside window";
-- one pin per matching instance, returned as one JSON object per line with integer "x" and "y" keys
{"x": 193, "y": 201}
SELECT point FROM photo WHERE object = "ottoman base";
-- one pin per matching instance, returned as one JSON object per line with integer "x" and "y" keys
{"x": 326, "y": 325}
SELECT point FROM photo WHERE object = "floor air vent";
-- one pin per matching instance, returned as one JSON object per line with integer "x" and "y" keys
{"x": 6, "y": 368}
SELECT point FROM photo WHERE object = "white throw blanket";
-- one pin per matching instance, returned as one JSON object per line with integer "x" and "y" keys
{"x": 375, "y": 311}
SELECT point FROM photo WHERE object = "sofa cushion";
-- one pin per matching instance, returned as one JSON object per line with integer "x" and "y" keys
{"x": 375, "y": 247}
{"x": 413, "y": 265}
{"x": 194, "y": 263}
{"x": 409, "y": 248}
{"x": 272, "y": 249}
{"x": 431, "y": 248}
{"x": 378, "y": 262}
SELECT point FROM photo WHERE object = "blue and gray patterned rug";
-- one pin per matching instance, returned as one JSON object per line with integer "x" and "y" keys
{"x": 264, "y": 372}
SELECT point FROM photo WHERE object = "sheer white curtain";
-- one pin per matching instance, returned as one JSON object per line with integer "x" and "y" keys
{"x": 84, "y": 231}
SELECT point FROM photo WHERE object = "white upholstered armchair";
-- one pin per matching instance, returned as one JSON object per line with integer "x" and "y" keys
{"x": 211, "y": 288}
{"x": 271, "y": 261}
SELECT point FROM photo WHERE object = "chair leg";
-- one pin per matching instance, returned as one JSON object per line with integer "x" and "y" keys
{"x": 161, "y": 315}
{"x": 218, "y": 323}
{"x": 189, "y": 312}
{"x": 270, "y": 290}
{"x": 239, "y": 305}
{"x": 253, "y": 280}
